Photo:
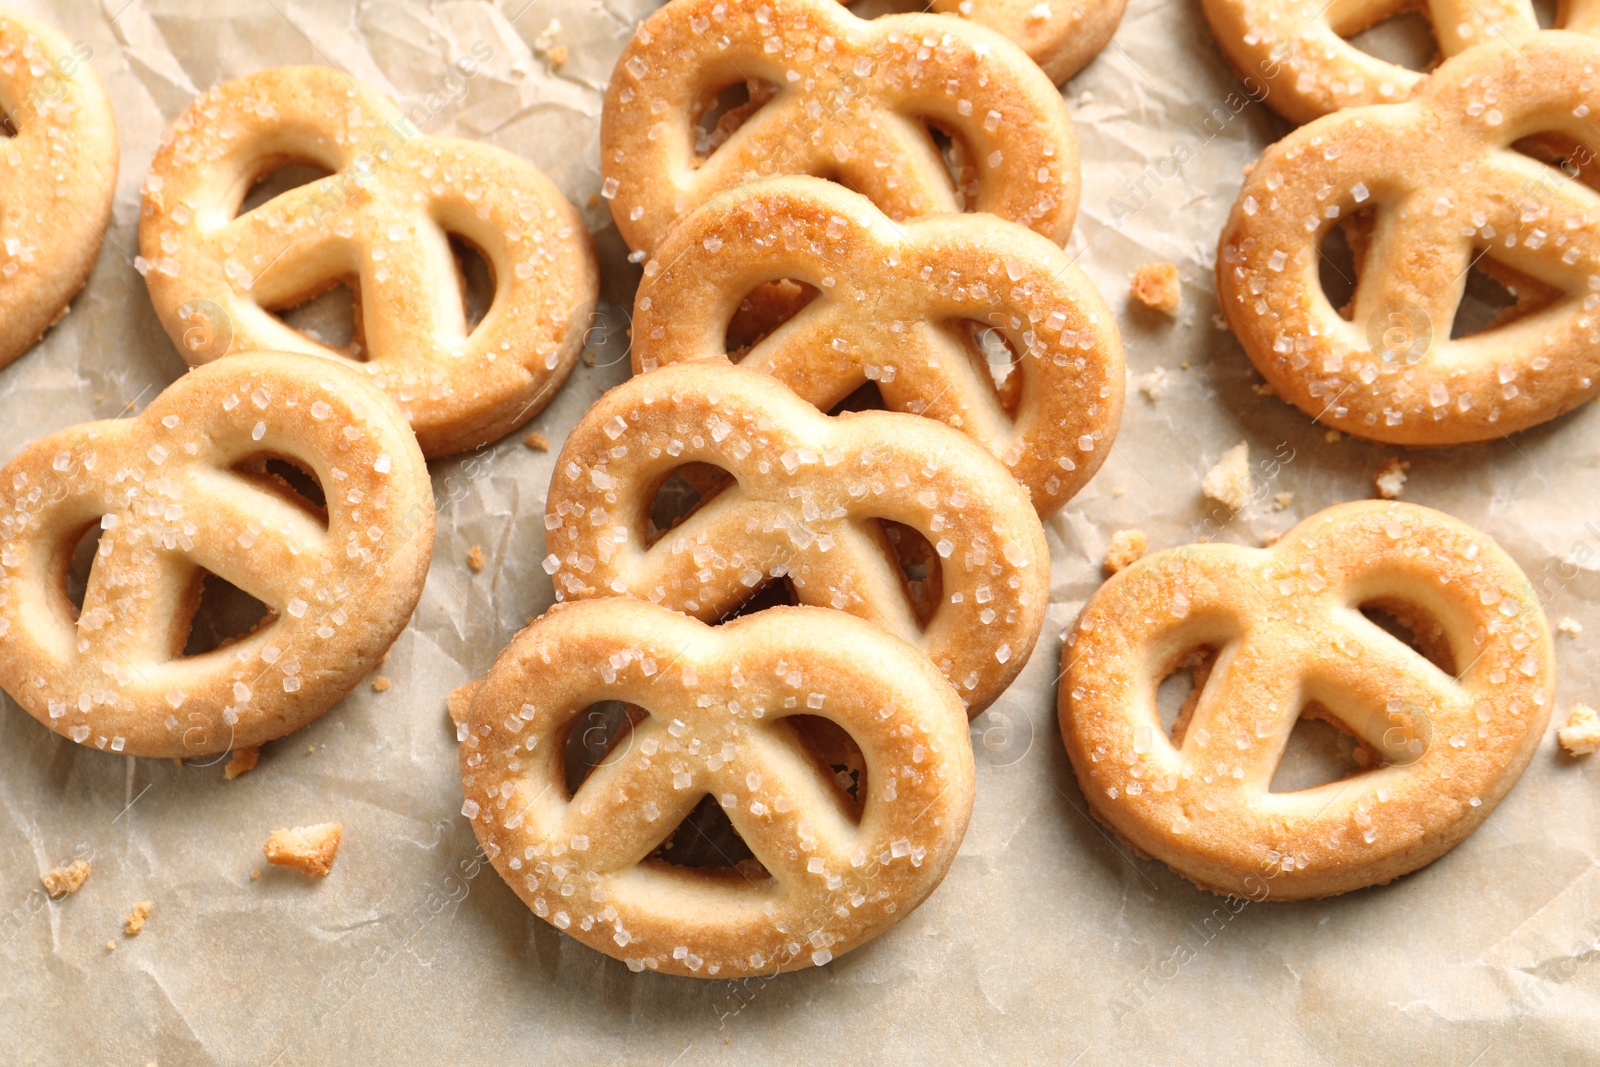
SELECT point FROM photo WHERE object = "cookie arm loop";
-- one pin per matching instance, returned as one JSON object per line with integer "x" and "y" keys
{"x": 787, "y": 772}
{"x": 1418, "y": 263}
{"x": 283, "y": 538}
{"x": 609, "y": 807}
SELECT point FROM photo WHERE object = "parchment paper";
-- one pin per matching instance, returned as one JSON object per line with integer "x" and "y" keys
{"x": 1047, "y": 943}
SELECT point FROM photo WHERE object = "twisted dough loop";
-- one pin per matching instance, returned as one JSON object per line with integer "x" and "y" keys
{"x": 183, "y": 489}
{"x": 807, "y": 492}
{"x": 837, "y": 871}
{"x": 1294, "y": 54}
{"x": 1288, "y": 624}
{"x": 850, "y": 103}
{"x": 1061, "y": 36}
{"x": 381, "y": 222}
{"x": 58, "y": 173}
{"x": 892, "y": 307}
{"x": 1391, "y": 372}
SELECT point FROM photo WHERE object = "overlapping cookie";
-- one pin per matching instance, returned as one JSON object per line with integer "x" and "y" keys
{"x": 834, "y": 96}
{"x": 1296, "y": 56}
{"x": 826, "y": 507}
{"x": 831, "y": 868}
{"x": 1427, "y": 190}
{"x": 901, "y": 305}
{"x": 382, "y": 222}
{"x": 1444, "y": 737}
{"x": 191, "y": 489}
{"x": 1061, "y": 36}
{"x": 57, "y": 177}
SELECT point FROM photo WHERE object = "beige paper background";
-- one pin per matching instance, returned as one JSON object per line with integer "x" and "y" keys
{"x": 1047, "y": 942}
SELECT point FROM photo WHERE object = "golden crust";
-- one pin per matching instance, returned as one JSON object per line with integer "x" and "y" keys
{"x": 182, "y": 490}
{"x": 716, "y": 701}
{"x": 854, "y": 110}
{"x": 1289, "y": 632}
{"x": 215, "y": 278}
{"x": 893, "y": 307}
{"x": 60, "y": 176}
{"x": 802, "y": 507}
{"x": 1391, "y": 371}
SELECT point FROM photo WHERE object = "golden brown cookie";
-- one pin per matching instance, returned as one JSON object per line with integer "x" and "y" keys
{"x": 190, "y": 489}
{"x": 58, "y": 173}
{"x": 821, "y": 508}
{"x": 1445, "y": 737}
{"x": 831, "y": 868}
{"x": 381, "y": 222}
{"x": 1426, "y": 190}
{"x": 837, "y": 97}
{"x": 906, "y": 306}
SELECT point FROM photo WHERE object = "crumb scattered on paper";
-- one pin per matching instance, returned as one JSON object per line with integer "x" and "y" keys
{"x": 1272, "y": 537}
{"x": 134, "y": 923}
{"x": 380, "y": 684}
{"x": 1390, "y": 481}
{"x": 1581, "y": 735}
{"x": 307, "y": 849}
{"x": 111, "y": 946}
{"x": 537, "y": 441}
{"x": 1569, "y": 626}
{"x": 459, "y": 700}
{"x": 1283, "y": 500}
{"x": 1332, "y": 435}
{"x": 242, "y": 760}
{"x": 548, "y": 44}
{"x": 1228, "y": 483}
{"x": 475, "y": 558}
{"x": 1120, "y": 491}
{"x": 1263, "y": 389}
{"x": 1126, "y": 547}
{"x": 65, "y": 880}
{"x": 1152, "y": 385}
{"x": 1155, "y": 285}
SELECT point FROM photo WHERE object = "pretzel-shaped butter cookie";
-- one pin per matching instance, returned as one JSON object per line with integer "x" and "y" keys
{"x": 58, "y": 173}
{"x": 850, "y": 101}
{"x": 183, "y": 491}
{"x": 1447, "y": 744}
{"x": 382, "y": 222}
{"x": 807, "y": 507}
{"x": 832, "y": 870}
{"x": 1391, "y": 371}
{"x": 1059, "y": 35}
{"x": 1294, "y": 55}
{"x": 893, "y": 305}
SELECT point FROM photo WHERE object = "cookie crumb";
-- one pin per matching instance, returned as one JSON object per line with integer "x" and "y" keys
{"x": 475, "y": 558}
{"x": 1228, "y": 483}
{"x": 1154, "y": 384}
{"x": 1155, "y": 285}
{"x": 1263, "y": 389}
{"x": 557, "y": 55}
{"x": 459, "y": 700}
{"x": 1283, "y": 500}
{"x": 537, "y": 441}
{"x": 1120, "y": 491}
{"x": 1569, "y": 626}
{"x": 65, "y": 880}
{"x": 134, "y": 923}
{"x": 1184, "y": 365}
{"x": 1332, "y": 435}
{"x": 308, "y": 849}
{"x": 1272, "y": 537}
{"x": 242, "y": 760}
{"x": 111, "y": 946}
{"x": 1390, "y": 481}
{"x": 380, "y": 684}
{"x": 1126, "y": 547}
{"x": 548, "y": 44}
{"x": 1581, "y": 735}
{"x": 255, "y": 874}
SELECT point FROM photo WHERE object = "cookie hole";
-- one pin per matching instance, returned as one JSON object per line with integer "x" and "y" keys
{"x": 706, "y": 840}
{"x": 762, "y": 311}
{"x": 720, "y": 114}
{"x": 837, "y": 757}
{"x": 1414, "y": 628}
{"x": 1405, "y": 39}
{"x": 475, "y": 277}
{"x": 772, "y": 593}
{"x": 1545, "y": 12}
{"x": 957, "y": 158}
{"x": 594, "y": 732}
{"x": 1000, "y": 363}
{"x": 919, "y": 568}
{"x": 331, "y": 318}
{"x": 871, "y": 9}
{"x": 8, "y": 125}
{"x": 1319, "y": 751}
{"x": 288, "y": 481}
{"x": 1179, "y": 688}
{"x": 224, "y": 614}
{"x": 278, "y": 179}
{"x": 865, "y": 397}
{"x": 1336, "y": 269}
{"x": 680, "y": 493}
{"x": 77, "y": 559}
{"x": 1485, "y": 303}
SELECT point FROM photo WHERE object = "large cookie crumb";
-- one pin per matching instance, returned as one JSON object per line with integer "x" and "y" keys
{"x": 308, "y": 849}
{"x": 1581, "y": 735}
{"x": 1390, "y": 481}
{"x": 134, "y": 923}
{"x": 242, "y": 760}
{"x": 65, "y": 880}
{"x": 1126, "y": 547}
{"x": 1228, "y": 483}
{"x": 1155, "y": 285}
